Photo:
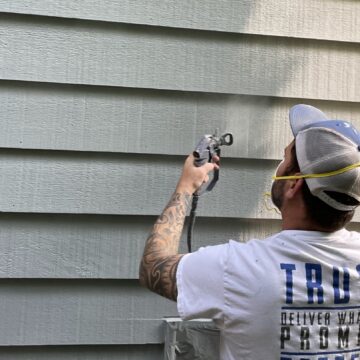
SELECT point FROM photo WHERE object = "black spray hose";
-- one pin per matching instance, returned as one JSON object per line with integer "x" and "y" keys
{"x": 192, "y": 217}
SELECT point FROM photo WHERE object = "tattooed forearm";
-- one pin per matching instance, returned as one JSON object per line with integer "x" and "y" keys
{"x": 160, "y": 259}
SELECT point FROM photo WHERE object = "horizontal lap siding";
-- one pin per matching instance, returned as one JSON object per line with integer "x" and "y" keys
{"x": 98, "y": 117}
{"x": 46, "y": 312}
{"x": 67, "y": 51}
{"x": 331, "y": 19}
{"x": 124, "y": 352}
{"x": 97, "y": 247}
{"x": 92, "y": 118}
{"x": 122, "y": 184}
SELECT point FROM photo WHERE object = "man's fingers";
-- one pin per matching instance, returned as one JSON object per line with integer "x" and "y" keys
{"x": 192, "y": 177}
{"x": 216, "y": 159}
{"x": 210, "y": 167}
{"x": 190, "y": 159}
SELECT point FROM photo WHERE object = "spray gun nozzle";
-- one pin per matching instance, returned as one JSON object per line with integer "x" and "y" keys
{"x": 226, "y": 139}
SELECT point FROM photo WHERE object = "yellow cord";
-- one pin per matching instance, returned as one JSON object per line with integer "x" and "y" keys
{"x": 270, "y": 208}
{"x": 309, "y": 176}
{"x": 306, "y": 176}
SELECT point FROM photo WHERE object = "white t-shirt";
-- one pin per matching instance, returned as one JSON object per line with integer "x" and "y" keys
{"x": 292, "y": 296}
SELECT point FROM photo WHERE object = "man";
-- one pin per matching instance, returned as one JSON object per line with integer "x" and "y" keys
{"x": 296, "y": 294}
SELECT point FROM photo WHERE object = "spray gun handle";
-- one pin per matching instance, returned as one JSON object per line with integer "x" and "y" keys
{"x": 209, "y": 146}
{"x": 202, "y": 153}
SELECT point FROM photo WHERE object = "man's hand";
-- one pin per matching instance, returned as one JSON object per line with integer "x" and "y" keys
{"x": 160, "y": 259}
{"x": 193, "y": 177}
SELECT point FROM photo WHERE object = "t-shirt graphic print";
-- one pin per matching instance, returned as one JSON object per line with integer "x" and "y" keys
{"x": 318, "y": 318}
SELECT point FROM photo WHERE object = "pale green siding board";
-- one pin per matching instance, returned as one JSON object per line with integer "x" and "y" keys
{"x": 60, "y": 312}
{"x": 98, "y": 247}
{"x": 106, "y": 119}
{"x": 331, "y": 19}
{"x": 66, "y": 51}
{"x": 114, "y": 352}
{"x": 64, "y": 182}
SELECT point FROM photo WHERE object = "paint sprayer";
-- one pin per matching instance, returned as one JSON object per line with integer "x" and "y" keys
{"x": 205, "y": 150}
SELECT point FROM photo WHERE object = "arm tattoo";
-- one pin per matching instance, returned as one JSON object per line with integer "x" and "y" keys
{"x": 160, "y": 259}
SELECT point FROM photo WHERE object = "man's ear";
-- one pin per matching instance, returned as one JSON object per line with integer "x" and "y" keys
{"x": 295, "y": 186}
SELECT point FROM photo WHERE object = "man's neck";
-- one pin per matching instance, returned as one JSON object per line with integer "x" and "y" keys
{"x": 295, "y": 216}
{"x": 298, "y": 220}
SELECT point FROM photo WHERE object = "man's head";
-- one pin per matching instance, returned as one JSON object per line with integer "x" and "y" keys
{"x": 325, "y": 157}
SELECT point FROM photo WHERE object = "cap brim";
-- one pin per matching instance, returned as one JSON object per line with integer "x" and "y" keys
{"x": 301, "y": 116}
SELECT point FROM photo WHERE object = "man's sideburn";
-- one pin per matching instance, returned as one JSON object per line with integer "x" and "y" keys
{"x": 277, "y": 193}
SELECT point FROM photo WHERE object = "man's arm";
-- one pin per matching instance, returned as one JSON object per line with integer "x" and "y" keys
{"x": 160, "y": 259}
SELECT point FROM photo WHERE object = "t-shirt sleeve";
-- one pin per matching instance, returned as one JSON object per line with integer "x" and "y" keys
{"x": 200, "y": 283}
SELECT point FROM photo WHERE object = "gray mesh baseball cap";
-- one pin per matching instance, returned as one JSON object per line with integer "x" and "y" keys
{"x": 322, "y": 146}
